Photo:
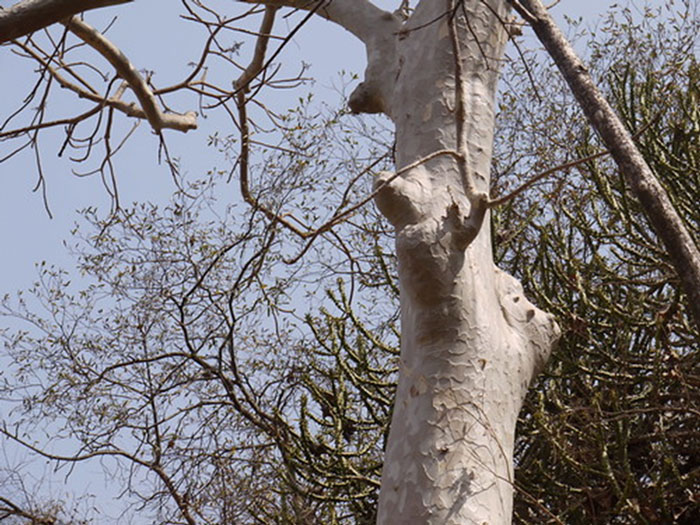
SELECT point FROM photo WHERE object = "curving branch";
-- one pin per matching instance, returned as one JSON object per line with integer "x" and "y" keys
{"x": 376, "y": 28}
{"x": 360, "y": 17}
{"x": 256, "y": 66}
{"x": 9, "y": 509}
{"x": 466, "y": 228}
{"x": 28, "y": 16}
{"x": 126, "y": 70}
{"x": 494, "y": 202}
{"x": 257, "y": 62}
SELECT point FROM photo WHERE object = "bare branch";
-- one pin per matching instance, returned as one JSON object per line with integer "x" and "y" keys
{"x": 551, "y": 171}
{"x": 127, "y": 71}
{"x": 8, "y": 509}
{"x": 248, "y": 74}
{"x": 131, "y": 109}
{"x": 29, "y": 15}
{"x": 256, "y": 63}
{"x": 567, "y": 165}
{"x": 109, "y": 452}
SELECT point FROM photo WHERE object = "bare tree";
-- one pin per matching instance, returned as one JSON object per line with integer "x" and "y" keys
{"x": 471, "y": 342}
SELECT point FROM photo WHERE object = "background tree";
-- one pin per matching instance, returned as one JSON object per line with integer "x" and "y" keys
{"x": 643, "y": 184}
{"x": 607, "y": 434}
{"x": 312, "y": 420}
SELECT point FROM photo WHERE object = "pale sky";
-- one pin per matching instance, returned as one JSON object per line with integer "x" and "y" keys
{"x": 25, "y": 229}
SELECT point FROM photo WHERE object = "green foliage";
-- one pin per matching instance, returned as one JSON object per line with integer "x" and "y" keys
{"x": 609, "y": 432}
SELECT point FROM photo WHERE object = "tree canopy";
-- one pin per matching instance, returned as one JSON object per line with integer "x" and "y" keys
{"x": 198, "y": 367}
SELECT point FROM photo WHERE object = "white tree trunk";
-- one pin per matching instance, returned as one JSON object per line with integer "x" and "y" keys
{"x": 471, "y": 342}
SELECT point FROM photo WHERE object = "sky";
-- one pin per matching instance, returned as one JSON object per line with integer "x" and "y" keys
{"x": 26, "y": 230}
{"x": 29, "y": 235}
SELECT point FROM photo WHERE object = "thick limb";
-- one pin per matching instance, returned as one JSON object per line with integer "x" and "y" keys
{"x": 360, "y": 17}
{"x": 31, "y": 15}
{"x": 377, "y": 29}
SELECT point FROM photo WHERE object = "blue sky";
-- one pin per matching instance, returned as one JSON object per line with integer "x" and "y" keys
{"x": 27, "y": 232}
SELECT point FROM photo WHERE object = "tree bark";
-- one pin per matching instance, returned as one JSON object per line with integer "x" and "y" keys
{"x": 28, "y": 16}
{"x": 470, "y": 341}
{"x": 658, "y": 208}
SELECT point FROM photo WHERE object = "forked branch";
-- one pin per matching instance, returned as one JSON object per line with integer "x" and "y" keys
{"x": 126, "y": 70}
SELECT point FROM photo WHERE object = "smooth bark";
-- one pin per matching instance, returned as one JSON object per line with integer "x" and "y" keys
{"x": 471, "y": 343}
{"x": 28, "y": 16}
{"x": 644, "y": 185}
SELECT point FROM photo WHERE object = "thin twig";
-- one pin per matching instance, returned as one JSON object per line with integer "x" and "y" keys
{"x": 492, "y": 203}
{"x": 501, "y": 200}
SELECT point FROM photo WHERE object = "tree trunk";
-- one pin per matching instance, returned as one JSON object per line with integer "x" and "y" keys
{"x": 470, "y": 341}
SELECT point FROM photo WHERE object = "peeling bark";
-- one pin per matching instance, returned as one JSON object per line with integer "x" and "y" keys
{"x": 470, "y": 342}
